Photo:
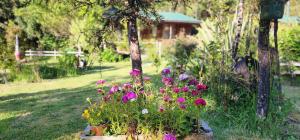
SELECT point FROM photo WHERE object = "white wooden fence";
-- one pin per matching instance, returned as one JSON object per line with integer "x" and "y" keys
{"x": 54, "y": 53}
{"x": 295, "y": 64}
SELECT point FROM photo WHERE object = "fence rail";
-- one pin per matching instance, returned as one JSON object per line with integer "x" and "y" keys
{"x": 290, "y": 72}
{"x": 51, "y": 53}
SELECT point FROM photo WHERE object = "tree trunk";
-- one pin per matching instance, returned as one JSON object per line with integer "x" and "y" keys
{"x": 276, "y": 58}
{"x": 264, "y": 68}
{"x": 239, "y": 24}
{"x": 135, "y": 52}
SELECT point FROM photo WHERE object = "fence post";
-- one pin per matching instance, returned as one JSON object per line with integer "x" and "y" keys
{"x": 30, "y": 53}
{"x": 54, "y": 54}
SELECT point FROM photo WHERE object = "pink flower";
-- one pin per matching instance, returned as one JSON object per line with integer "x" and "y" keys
{"x": 182, "y": 106}
{"x": 113, "y": 89}
{"x": 106, "y": 98}
{"x": 100, "y": 91}
{"x": 185, "y": 89}
{"x": 168, "y": 81}
{"x": 162, "y": 90}
{"x": 147, "y": 79}
{"x": 200, "y": 101}
{"x": 176, "y": 90}
{"x": 167, "y": 98}
{"x": 161, "y": 109}
{"x": 180, "y": 100}
{"x": 135, "y": 72}
{"x": 127, "y": 86}
{"x": 169, "y": 137}
{"x": 100, "y": 82}
{"x": 201, "y": 87}
{"x": 195, "y": 92}
{"x": 166, "y": 71}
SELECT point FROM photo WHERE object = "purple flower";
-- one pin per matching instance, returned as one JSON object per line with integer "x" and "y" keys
{"x": 169, "y": 137}
{"x": 168, "y": 81}
{"x": 131, "y": 95}
{"x": 176, "y": 90}
{"x": 193, "y": 82}
{"x": 182, "y": 106}
{"x": 113, "y": 89}
{"x": 125, "y": 99}
{"x": 166, "y": 71}
{"x": 180, "y": 100}
{"x": 135, "y": 72}
{"x": 161, "y": 109}
{"x": 185, "y": 89}
{"x": 183, "y": 77}
{"x": 100, "y": 82}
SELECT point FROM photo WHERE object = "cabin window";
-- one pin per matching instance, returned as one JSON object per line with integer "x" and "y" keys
{"x": 166, "y": 32}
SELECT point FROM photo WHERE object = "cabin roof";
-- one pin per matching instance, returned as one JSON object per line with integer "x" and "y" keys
{"x": 177, "y": 17}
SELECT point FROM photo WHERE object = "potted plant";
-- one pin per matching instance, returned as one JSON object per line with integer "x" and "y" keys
{"x": 129, "y": 111}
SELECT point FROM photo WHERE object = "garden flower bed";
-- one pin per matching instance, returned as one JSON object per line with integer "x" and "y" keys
{"x": 133, "y": 111}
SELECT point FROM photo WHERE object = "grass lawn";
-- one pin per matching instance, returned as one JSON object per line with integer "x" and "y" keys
{"x": 52, "y": 109}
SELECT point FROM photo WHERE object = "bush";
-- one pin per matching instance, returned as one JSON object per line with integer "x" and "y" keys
{"x": 109, "y": 55}
{"x": 289, "y": 44}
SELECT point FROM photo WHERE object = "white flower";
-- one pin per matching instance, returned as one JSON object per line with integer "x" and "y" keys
{"x": 145, "y": 111}
{"x": 183, "y": 77}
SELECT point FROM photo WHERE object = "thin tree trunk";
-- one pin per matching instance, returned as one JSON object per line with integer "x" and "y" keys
{"x": 135, "y": 51}
{"x": 277, "y": 62}
{"x": 264, "y": 68}
{"x": 239, "y": 24}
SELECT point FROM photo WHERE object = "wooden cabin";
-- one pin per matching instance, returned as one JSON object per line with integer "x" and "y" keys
{"x": 171, "y": 26}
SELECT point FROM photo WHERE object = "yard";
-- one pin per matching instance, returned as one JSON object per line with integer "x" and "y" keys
{"x": 52, "y": 109}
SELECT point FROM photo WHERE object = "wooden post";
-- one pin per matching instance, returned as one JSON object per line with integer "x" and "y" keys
{"x": 17, "y": 49}
{"x": 30, "y": 53}
{"x": 171, "y": 32}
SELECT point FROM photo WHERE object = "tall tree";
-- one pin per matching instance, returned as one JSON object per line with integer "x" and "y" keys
{"x": 238, "y": 28}
{"x": 264, "y": 67}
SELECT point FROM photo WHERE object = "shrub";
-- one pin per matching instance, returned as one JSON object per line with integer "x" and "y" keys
{"x": 109, "y": 55}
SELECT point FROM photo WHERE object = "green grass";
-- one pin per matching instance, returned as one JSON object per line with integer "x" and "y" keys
{"x": 52, "y": 109}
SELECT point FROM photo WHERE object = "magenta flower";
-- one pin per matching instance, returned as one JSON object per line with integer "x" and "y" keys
{"x": 100, "y": 82}
{"x": 125, "y": 99}
{"x": 201, "y": 87}
{"x": 185, "y": 89}
{"x": 168, "y": 81}
{"x": 113, "y": 89}
{"x": 180, "y": 100}
{"x": 182, "y": 106}
{"x": 135, "y": 72}
{"x": 193, "y": 82}
{"x": 166, "y": 71}
{"x": 176, "y": 90}
{"x": 200, "y": 101}
{"x": 131, "y": 95}
{"x": 169, "y": 137}
{"x": 162, "y": 90}
{"x": 161, "y": 109}
{"x": 183, "y": 77}
{"x": 195, "y": 92}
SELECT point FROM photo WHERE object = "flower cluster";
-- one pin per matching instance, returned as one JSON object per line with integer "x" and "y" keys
{"x": 180, "y": 97}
